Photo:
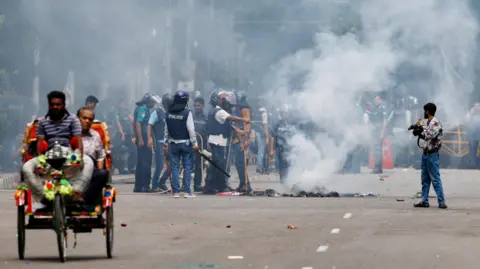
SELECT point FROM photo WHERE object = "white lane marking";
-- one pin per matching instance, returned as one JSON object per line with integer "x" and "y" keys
{"x": 322, "y": 248}
{"x": 235, "y": 257}
{"x": 347, "y": 215}
{"x": 307, "y": 267}
{"x": 335, "y": 231}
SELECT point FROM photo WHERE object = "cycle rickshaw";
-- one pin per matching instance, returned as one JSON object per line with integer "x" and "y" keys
{"x": 64, "y": 215}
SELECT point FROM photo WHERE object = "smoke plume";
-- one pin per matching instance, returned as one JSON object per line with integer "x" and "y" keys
{"x": 432, "y": 42}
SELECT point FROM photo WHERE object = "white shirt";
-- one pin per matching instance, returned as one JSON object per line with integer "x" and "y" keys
{"x": 191, "y": 132}
{"x": 92, "y": 145}
{"x": 221, "y": 116}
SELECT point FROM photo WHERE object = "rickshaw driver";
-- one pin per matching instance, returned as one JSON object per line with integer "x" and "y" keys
{"x": 93, "y": 147}
{"x": 58, "y": 126}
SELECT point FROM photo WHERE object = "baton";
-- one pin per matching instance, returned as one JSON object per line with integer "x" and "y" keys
{"x": 213, "y": 163}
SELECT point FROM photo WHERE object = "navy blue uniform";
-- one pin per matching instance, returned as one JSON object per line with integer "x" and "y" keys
{"x": 180, "y": 148}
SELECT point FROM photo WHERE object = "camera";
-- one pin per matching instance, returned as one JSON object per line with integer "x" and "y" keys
{"x": 417, "y": 128}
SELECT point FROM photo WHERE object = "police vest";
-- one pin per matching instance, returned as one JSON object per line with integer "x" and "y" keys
{"x": 159, "y": 126}
{"x": 216, "y": 128}
{"x": 200, "y": 123}
{"x": 177, "y": 124}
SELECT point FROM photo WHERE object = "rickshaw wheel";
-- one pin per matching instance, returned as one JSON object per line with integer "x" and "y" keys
{"x": 109, "y": 230}
{"x": 21, "y": 231}
{"x": 59, "y": 225}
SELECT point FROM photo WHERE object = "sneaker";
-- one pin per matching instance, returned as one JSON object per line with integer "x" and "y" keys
{"x": 421, "y": 204}
{"x": 198, "y": 189}
{"x": 163, "y": 189}
{"x": 243, "y": 190}
{"x": 189, "y": 195}
{"x": 176, "y": 195}
{"x": 442, "y": 206}
{"x": 155, "y": 190}
{"x": 225, "y": 190}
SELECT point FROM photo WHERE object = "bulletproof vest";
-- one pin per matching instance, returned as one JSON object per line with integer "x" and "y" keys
{"x": 216, "y": 128}
{"x": 177, "y": 124}
{"x": 200, "y": 123}
{"x": 159, "y": 126}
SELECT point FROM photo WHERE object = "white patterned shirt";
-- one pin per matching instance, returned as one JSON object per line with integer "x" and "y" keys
{"x": 93, "y": 146}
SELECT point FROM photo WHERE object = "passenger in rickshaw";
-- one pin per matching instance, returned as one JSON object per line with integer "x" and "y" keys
{"x": 59, "y": 126}
{"x": 93, "y": 148}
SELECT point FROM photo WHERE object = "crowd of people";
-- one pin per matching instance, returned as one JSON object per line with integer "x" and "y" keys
{"x": 164, "y": 134}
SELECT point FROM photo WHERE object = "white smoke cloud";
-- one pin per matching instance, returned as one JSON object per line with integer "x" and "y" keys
{"x": 427, "y": 35}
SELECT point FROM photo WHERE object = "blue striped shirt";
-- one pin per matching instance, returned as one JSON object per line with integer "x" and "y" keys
{"x": 60, "y": 132}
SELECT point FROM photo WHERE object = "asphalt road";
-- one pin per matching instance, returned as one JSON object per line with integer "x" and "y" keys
{"x": 381, "y": 232}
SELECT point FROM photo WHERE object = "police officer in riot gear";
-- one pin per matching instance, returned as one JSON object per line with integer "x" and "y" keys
{"x": 200, "y": 122}
{"x": 180, "y": 142}
{"x": 144, "y": 154}
{"x": 156, "y": 140}
{"x": 219, "y": 130}
{"x": 240, "y": 141}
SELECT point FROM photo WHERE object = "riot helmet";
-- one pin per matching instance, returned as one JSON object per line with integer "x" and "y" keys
{"x": 167, "y": 101}
{"x": 227, "y": 100}
{"x": 214, "y": 98}
{"x": 241, "y": 98}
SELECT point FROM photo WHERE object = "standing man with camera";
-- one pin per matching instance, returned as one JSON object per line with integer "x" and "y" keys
{"x": 432, "y": 133}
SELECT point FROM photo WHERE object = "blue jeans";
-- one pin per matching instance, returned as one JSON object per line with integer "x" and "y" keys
{"x": 431, "y": 175}
{"x": 261, "y": 150}
{"x": 159, "y": 159}
{"x": 176, "y": 153}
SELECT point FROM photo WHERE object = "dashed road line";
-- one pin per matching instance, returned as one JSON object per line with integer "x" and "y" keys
{"x": 307, "y": 267}
{"x": 335, "y": 231}
{"x": 347, "y": 215}
{"x": 322, "y": 248}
